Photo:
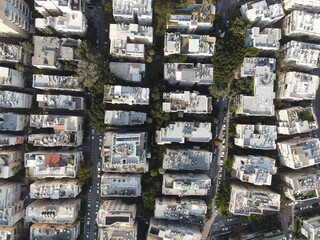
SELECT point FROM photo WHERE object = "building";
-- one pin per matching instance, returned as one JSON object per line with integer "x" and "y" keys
{"x": 180, "y": 131}
{"x": 53, "y": 211}
{"x": 297, "y": 86}
{"x": 123, "y": 118}
{"x": 46, "y": 231}
{"x": 250, "y": 64}
{"x": 59, "y": 138}
{"x": 296, "y": 120}
{"x": 302, "y": 184}
{"x": 57, "y": 122}
{"x": 120, "y": 185}
{"x": 262, "y": 12}
{"x": 189, "y": 44}
{"x": 299, "y": 153}
{"x": 9, "y": 161}
{"x": 9, "y": 99}
{"x": 256, "y": 136}
{"x": 163, "y": 230}
{"x": 299, "y": 23}
{"x": 10, "y": 53}
{"x": 311, "y": 228}
{"x": 183, "y": 184}
{"x": 13, "y": 122}
{"x": 11, "y": 232}
{"x": 187, "y": 159}
{"x": 188, "y": 74}
{"x": 309, "y": 5}
{"x": 266, "y": 235}
{"x": 11, "y": 206}
{"x": 268, "y": 39}
{"x": 186, "y": 102}
{"x": 125, "y": 152}
{"x": 127, "y": 71}
{"x": 56, "y": 8}
{"x": 118, "y": 233}
{"x": 184, "y": 210}
{"x": 66, "y": 102}
{"x": 126, "y": 95}
{"x": 128, "y": 40}
{"x": 254, "y": 169}
{"x": 11, "y": 78}
{"x": 304, "y": 55}
{"x": 126, "y": 11}
{"x": 10, "y": 140}
{"x": 55, "y": 82}
{"x": 55, "y": 189}
{"x": 246, "y": 199}
{"x": 15, "y": 19}
{"x": 193, "y": 17}
{"x": 45, "y": 164}
{"x": 49, "y": 52}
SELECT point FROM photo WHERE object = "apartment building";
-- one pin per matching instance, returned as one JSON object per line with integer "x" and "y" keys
{"x": 187, "y": 159}
{"x": 62, "y": 211}
{"x": 13, "y": 122}
{"x": 297, "y": 86}
{"x": 308, "y": 5}
{"x": 56, "y": 82}
{"x": 11, "y": 232}
{"x": 11, "y": 78}
{"x": 304, "y": 55}
{"x": 10, "y": 99}
{"x": 55, "y": 189}
{"x": 11, "y": 53}
{"x": 10, "y": 140}
{"x": 15, "y": 19}
{"x": 184, "y": 210}
{"x": 127, "y": 71}
{"x": 56, "y": 8}
{"x": 296, "y": 120}
{"x": 268, "y": 39}
{"x": 9, "y": 161}
{"x": 128, "y": 232}
{"x": 127, "y": 11}
{"x": 57, "y": 122}
{"x": 188, "y": 74}
{"x": 124, "y": 118}
{"x": 46, "y": 164}
{"x": 302, "y": 184}
{"x": 59, "y": 138}
{"x": 125, "y": 153}
{"x": 66, "y": 102}
{"x": 257, "y": 170}
{"x": 250, "y": 64}
{"x": 256, "y": 136}
{"x": 266, "y": 235}
{"x": 120, "y": 185}
{"x": 299, "y": 153}
{"x": 198, "y": 46}
{"x": 118, "y": 94}
{"x": 246, "y": 199}
{"x": 183, "y": 184}
{"x": 311, "y": 228}
{"x": 180, "y": 131}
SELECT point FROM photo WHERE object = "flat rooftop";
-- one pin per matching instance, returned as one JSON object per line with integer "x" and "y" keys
{"x": 267, "y": 39}
{"x": 60, "y": 102}
{"x": 59, "y": 138}
{"x": 119, "y": 185}
{"x": 55, "y": 82}
{"x": 10, "y": 99}
{"x": 133, "y": 72}
{"x": 13, "y": 122}
{"x": 126, "y": 95}
{"x": 251, "y": 63}
{"x": 123, "y": 118}
{"x": 11, "y": 53}
{"x": 57, "y": 122}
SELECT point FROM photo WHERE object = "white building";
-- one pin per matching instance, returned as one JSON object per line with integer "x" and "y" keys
{"x": 11, "y": 232}
{"x": 10, "y": 140}
{"x": 126, "y": 95}
{"x": 296, "y": 120}
{"x": 246, "y": 199}
{"x": 129, "y": 40}
{"x": 251, "y": 63}
{"x": 56, "y": 82}
{"x": 188, "y": 73}
{"x": 11, "y": 78}
{"x": 10, "y": 53}
{"x": 268, "y": 39}
{"x": 304, "y": 55}
{"x": 183, "y": 184}
{"x": 184, "y": 210}
{"x": 299, "y": 153}
{"x": 256, "y": 136}
{"x": 309, "y": 5}
{"x": 187, "y": 159}
{"x": 254, "y": 169}
{"x": 297, "y": 86}
{"x": 66, "y": 102}
{"x": 129, "y": 232}
{"x": 9, "y": 160}
{"x": 126, "y": 11}
{"x": 261, "y": 12}
{"x": 189, "y": 44}
{"x": 274, "y": 234}
{"x": 9, "y": 99}
{"x": 59, "y": 138}
{"x": 180, "y": 131}
{"x": 57, "y": 122}
{"x": 56, "y": 8}
{"x": 132, "y": 72}
{"x": 120, "y": 185}
{"x": 299, "y": 23}
{"x": 55, "y": 189}
{"x": 53, "y": 211}
{"x": 45, "y": 164}
{"x": 13, "y": 122}
{"x": 123, "y": 118}
{"x": 311, "y": 228}
{"x": 187, "y": 102}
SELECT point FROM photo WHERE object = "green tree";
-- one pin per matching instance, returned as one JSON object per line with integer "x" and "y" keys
{"x": 149, "y": 120}
{"x": 27, "y": 130}
{"x": 27, "y": 47}
{"x": 107, "y": 14}
{"x": 152, "y": 52}
{"x": 16, "y": 169}
{"x": 154, "y": 173}
{"x": 216, "y": 121}
{"x": 233, "y": 108}
{"x": 70, "y": 66}
{"x": 20, "y": 67}
{"x": 49, "y": 30}
{"x": 84, "y": 173}
{"x": 176, "y": 58}
{"x": 149, "y": 59}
